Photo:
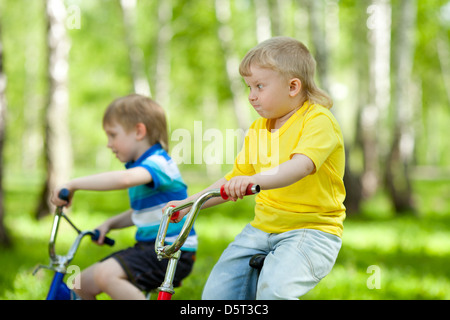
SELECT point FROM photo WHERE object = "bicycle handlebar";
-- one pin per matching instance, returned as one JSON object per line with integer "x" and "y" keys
{"x": 96, "y": 234}
{"x": 172, "y": 212}
{"x": 251, "y": 189}
{"x": 64, "y": 194}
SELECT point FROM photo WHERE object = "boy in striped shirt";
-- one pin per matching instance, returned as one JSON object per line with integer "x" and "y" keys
{"x": 137, "y": 133}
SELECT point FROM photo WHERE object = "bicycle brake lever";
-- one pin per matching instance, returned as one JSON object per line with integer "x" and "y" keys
{"x": 41, "y": 266}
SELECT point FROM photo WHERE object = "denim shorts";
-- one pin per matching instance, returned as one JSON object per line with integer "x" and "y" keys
{"x": 145, "y": 271}
{"x": 296, "y": 261}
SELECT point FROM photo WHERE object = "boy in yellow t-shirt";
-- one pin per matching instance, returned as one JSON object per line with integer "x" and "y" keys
{"x": 295, "y": 153}
{"x": 313, "y": 202}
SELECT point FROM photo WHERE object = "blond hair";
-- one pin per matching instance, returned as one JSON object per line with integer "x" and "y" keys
{"x": 130, "y": 110}
{"x": 292, "y": 59}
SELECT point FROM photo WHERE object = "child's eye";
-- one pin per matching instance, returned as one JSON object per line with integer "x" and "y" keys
{"x": 259, "y": 86}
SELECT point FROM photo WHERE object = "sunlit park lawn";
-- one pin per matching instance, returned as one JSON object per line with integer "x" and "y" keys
{"x": 383, "y": 256}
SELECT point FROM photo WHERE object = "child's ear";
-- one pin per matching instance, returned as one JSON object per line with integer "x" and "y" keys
{"x": 295, "y": 86}
{"x": 141, "y": 131}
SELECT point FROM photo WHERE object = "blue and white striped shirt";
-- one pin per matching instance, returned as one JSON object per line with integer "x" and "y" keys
{"x": 148, "y": 200}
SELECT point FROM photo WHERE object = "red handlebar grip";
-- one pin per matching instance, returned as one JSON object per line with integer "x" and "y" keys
{"x": 175, "y": 214}
{"x": 248, "y": 192}
{"x": 250, "y": 188}
{"x": 223, "y": 194}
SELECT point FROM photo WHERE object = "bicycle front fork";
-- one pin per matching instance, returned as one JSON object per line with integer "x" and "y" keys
{"x": 166, "y": 289}
{"x": 58, "y": 289}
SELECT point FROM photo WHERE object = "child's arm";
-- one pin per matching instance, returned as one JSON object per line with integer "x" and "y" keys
{"x": 287, "y": 173}
{"x": 120, "y": 221}
{"x": 112, "y": 180}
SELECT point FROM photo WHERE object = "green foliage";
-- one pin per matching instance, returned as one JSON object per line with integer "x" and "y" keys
{"x": 410, "y": 254}
{"x": 99, "y": 68}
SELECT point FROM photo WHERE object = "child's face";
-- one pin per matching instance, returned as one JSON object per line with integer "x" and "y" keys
{"x": 270, "y": 93}
{"x": 121, "y": 142}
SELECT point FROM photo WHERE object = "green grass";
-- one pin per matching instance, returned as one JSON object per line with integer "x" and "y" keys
{"x": 411, "y": 255}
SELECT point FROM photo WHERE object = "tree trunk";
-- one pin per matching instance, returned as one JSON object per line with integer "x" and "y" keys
{"x": 33, "y": 99}
{"x": 318, "y": 38}
{"x": 223, "y": 15}
{"x": 353, "y": 178}
{"x": 140, "y": 82}
{"x": 401, "y": 154}
{"x": 263, "y": 20}
{"x": 58, "y": 152}
{"x": 4, "y": 238}
{"x": 372, "y": 114}
{"x": 444, "y": 61}
{"x": 163, "y": 54}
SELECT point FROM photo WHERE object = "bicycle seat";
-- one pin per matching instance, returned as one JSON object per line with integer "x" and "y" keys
{"x": 257, "y": 261}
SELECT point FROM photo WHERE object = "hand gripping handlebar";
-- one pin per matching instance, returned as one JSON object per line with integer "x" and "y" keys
{"x": 64, "y": 260}
{"x": 166, "y": 251}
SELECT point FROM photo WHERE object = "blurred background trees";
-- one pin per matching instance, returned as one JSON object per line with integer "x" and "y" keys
{"x": 386, "y": 63}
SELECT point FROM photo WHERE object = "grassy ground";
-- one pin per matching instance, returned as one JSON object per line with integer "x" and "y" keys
{"x": 383, "y": 256}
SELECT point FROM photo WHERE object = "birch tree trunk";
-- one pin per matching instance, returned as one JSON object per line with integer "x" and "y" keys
{"x": 281, "y": 17}
{"x": 400, "y": 157}
{"x": 163, "y": 55}
{"x": 33, "y": 98}
{"x": 444, "y": 60}
{"x": 372, "y": 115}
{"x": 58, "y": 151}
{"x": 223, "y": 15}
{"x": 316, "y": 20}
{"x": 140, "y": 82}
{"x": 263, "y": 20}
{"x": 4, "y": 238}
{"x": 353, "y": 178}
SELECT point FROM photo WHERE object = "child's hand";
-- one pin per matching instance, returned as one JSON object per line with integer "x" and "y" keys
{"x": 58, "y": 201}
{"x": 181, "y": 213}
{"x": 103, "y": 230}
{"x": 236, "y": 187}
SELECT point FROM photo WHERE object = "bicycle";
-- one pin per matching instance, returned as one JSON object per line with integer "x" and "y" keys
{"x": 172, "y": 251}
{"x": 59, "y": 263}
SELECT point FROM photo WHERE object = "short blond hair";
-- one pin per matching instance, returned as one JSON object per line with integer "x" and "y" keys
{"x": 290, "y": 58}
{"x": 130, "y": 110}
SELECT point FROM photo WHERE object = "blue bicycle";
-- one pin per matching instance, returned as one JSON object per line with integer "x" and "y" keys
{"x": 59, "y": 263}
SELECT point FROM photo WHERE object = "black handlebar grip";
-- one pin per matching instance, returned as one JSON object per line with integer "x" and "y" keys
{"x": 64, "y": 194}
{"x": 108, "y": 241}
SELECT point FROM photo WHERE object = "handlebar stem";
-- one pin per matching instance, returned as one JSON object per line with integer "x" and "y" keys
{"x": 167, "y": 285}
{"x": 59, "y": 263}
{"x": 168, "y": 250}
{"x": 54, "y": 232}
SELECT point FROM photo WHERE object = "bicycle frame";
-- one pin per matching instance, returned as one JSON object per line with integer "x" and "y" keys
{"x": 59, "y": 263}
{"x": 172, "y": 251}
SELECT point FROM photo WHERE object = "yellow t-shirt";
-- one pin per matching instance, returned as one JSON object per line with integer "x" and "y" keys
{"x": 314, "y": 202}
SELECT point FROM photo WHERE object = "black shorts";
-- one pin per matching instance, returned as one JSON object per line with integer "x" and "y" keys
{"x": 145, "y": 271}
